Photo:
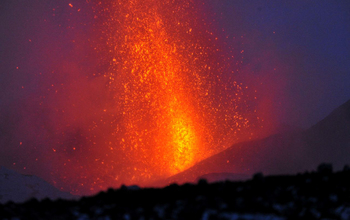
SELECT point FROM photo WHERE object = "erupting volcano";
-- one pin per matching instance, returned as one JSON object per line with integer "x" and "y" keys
{"x": 171, "y": 103}
{"x": 169, "y": 98}
{"x": 96, "y": 94}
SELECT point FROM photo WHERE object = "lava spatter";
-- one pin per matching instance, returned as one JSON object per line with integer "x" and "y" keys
{"x": 172, "y": 100}
{"x": 166, "y": 76}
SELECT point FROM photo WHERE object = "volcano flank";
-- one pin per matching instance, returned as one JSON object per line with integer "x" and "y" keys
{"x": 285, "y": 153}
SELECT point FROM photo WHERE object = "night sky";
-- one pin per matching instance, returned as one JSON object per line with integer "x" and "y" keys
{"x": 308, "y": 42}
{"x": 296, "y": 54}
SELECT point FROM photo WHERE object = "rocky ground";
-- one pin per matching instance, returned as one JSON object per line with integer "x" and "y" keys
{"x": 316, "y": 195}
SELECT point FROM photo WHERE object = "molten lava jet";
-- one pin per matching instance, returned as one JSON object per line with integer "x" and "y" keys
{"x": 172, "y": 98}
{"x": 171, "y": 106}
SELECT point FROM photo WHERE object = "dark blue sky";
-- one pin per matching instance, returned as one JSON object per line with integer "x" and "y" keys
{"x": 308, "y": 42}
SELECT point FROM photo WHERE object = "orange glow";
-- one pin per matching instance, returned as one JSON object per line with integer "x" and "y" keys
{"x": 172, "y": 100}
{"x": 165, "y": 73}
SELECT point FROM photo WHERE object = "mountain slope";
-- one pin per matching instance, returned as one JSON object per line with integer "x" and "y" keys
{"x": 19, "y": 188}
{"x": 327, "y": 141}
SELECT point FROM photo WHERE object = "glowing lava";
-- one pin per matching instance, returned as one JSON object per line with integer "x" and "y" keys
{"x": 165, "y": 74}
{"x": 171, "y": 100}
{"x": 152, "y": 82}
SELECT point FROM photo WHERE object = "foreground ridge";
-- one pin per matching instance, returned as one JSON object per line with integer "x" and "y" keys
{"x": 316, "y": 195}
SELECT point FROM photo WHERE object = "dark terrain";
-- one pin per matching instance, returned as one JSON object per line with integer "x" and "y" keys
{"x": 317, "y": 195}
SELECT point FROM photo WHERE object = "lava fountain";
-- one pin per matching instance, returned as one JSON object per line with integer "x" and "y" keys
{"x": 171, "y": 99}
{"x": 171, "y": 106}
